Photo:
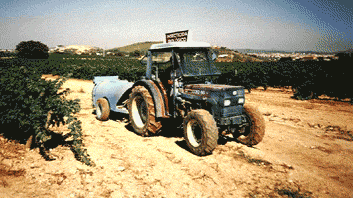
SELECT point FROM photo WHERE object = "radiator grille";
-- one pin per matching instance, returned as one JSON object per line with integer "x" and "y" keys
{"x": 231, "y": 111}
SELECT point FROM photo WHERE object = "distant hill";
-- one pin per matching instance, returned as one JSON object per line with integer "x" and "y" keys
{"x": 77, "y": 49}
{"x": 245, "y": 51}
{"x": 227, "y": 55}
{"x": 81, "y": 48}
{"x": 345, "y": 51}
{"x": 141, "y": 46}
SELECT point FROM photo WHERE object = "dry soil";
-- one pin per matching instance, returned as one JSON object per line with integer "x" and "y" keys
{"x": 307, "y": 150}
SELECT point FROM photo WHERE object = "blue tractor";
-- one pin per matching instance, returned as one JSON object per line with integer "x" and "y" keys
{"x": 179, "y": 85}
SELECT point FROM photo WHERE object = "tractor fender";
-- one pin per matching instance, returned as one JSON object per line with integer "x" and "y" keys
{"x": 156, "y": 95}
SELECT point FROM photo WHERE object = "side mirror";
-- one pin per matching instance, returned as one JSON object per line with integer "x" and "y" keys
{"x": 214, "y": 56}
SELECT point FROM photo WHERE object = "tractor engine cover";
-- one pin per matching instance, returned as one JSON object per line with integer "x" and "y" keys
{"x": 226, "y": 101}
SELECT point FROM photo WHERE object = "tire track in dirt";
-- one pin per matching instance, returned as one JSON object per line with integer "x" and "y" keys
{"x": 321, "y": 159}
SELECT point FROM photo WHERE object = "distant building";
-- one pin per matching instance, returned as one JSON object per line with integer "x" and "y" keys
{"x": 59, "y": 49}
{"x": 308, "y": 58}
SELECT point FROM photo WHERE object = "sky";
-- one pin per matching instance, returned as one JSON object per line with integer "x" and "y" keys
{"x": 293, "y": 25}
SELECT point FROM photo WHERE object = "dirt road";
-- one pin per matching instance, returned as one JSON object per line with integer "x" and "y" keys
{"x": 305, "y": 151}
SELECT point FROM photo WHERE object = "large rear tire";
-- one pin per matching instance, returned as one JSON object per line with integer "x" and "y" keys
{"x": 200, "y": 132}
{"x": 142, "y": 112}
{"x": 254, "y": 133}
{"x": 102, "y": 109}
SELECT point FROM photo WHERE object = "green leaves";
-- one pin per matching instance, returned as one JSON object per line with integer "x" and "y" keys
{"x": 31, "y": 104}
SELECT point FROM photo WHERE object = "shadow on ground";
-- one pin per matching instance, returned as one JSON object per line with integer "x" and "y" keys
{"x": 20, "y": 137}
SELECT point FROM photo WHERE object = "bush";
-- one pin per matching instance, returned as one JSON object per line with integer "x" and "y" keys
{"x": 30, "y": 104}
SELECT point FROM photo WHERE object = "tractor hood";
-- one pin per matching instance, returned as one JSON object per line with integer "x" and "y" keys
{"x": 193, "y": 91}
{"x": 212, "y": 87}
{"x": 225, "y": 100}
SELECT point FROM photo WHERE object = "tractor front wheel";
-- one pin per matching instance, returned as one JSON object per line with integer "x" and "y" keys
{"x": 142, "y": 112}
{"x": 254, "y": 133}
{"x": 200, "y": 132}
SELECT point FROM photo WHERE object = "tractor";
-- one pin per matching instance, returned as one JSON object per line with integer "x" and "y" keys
{"x": 179, "y": 85}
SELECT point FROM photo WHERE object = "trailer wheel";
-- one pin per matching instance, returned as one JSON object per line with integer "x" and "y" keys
{"x": 254, "y": 133}
{"x": 200, "y": 132}
{"x": 142, "y": 112}
{"x": 102, "y": 109}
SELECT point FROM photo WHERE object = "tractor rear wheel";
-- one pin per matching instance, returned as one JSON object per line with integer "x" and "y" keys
{"x": 102, "y": 109}
{"x": 142, "y": 112}
{"x": 254, "y": 133}
{"x": 200, "y": 132}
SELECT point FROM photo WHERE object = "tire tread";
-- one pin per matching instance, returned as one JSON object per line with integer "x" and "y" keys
{"x": 257, "y": 127}
{"x": 207, "y": 122}
{"x": 152, "y": 126}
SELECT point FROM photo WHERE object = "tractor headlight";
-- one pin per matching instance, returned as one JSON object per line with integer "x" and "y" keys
{"x": 241, "y": 101}
{"x": 226, "y": 103}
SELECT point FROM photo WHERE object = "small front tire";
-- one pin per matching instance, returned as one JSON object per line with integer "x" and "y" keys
{"x": 200, "y": 132}
{"x": 102, "y": 109}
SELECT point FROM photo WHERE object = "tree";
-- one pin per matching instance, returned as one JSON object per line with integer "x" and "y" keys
{"x": 32, "y": 50}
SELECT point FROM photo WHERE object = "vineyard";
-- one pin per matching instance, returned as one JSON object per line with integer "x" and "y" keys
{"x": 308, "y": 79}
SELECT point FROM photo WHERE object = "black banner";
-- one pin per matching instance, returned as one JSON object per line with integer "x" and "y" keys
{"x": 181, "y": 36}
